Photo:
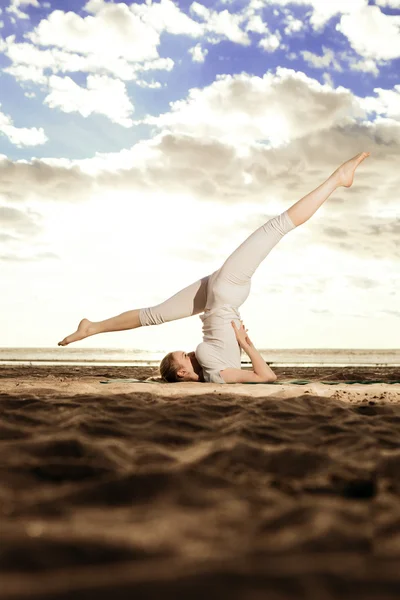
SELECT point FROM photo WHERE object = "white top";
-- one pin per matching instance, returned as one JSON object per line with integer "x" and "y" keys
{"x": 219, "y": 348}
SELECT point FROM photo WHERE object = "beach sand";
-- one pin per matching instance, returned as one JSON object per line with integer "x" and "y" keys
{"x": 159, "y": 491}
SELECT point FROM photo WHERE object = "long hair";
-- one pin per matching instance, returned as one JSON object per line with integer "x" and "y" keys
{"x": 169, "y": 369}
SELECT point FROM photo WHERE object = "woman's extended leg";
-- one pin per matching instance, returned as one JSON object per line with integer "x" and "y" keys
{"x": 231, "y": 283}
{"x": 186, "y": 303}
{"x": 300, "y": 212}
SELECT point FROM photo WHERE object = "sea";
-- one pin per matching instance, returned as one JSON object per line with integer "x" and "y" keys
{"x": 305, "y": 357}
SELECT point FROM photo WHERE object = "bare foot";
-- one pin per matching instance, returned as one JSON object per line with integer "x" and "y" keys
{"x": 346, "y": 171}
{"x": 84, "y": 330}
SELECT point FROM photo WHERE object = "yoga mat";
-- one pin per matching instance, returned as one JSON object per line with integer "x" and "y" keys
{"x": 293, "y": 382}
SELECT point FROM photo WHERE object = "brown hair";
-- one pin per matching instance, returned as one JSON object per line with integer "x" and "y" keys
{"x": 169, "y": 369}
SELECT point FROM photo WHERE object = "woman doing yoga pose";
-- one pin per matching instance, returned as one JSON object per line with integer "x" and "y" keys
{"x": 218, "y": 298}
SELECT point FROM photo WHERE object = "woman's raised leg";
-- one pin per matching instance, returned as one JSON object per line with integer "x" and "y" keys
{"x": 231, "y": 283}
{"x": 188, "y": 302}
{"x": 300, "y": 212}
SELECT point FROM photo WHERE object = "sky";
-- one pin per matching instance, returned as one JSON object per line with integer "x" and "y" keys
{"x": 141, "y": 143}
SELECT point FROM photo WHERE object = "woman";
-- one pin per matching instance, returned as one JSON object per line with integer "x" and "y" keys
{"x": 219, "y": 296}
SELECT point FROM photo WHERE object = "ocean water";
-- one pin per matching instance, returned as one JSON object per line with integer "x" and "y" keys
{"x": 131, "y": 357}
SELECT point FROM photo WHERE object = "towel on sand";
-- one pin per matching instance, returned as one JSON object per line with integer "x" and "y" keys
{"x": 292, "y": 382}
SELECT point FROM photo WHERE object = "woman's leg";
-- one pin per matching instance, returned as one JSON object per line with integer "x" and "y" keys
{"x": 231, "y": 284}
{"x": 300, "y": 212}
{"x": 186, "y": 303}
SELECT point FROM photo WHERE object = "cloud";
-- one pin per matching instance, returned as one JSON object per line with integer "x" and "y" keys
{"x": 323, "y": 10}
{"x": 126, "y": 34}
{"x": 103, "y": 95}
{"x": 365, "y": 66}
{"x": 38, "y": 256}
{"x": 371, "y": 33}
{"x": 365, "y": 283}
{"x": 15, "y": 9}
{"x": 277, "y": 107}
{"x": 329, "y": 58}
{"x": 255, "y": 22}
{"x": 72, "y": 43}
{"x": 20, "y": 222}
{"x": 293, "y": 25}
{"x": 68, "y": 42}
{"x": 317, "y": 61}
{"x": 221, "y": 23}
{"x": 271, "y": 42}
{"x": 395, "y": 313}
{"x": 29, "y": 63}
{"x": 132, "y": 32}
{"x": 198, "y": 53}
{"x": 5, "y": 237}
{"x": 167, "y": 16}
{"x": 388, "y": 3}
{"x": 336, "y": 232}
{"x": 21, "y": 136}
{"x": 22, "y": 181}
{"x": 192, "y": 155}
{"x": 27, "y": 73}
{"x": 386, "y": 102}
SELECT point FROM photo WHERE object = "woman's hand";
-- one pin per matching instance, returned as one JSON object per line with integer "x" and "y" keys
{"x": 241, "y": 335}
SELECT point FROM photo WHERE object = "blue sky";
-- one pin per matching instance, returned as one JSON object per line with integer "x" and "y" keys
{"x": 145, "y": 137}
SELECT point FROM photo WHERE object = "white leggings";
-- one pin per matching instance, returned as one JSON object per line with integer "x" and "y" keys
{"x": 229, "y": 285}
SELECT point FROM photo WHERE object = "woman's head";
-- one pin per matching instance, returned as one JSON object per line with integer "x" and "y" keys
{"x": 179, "y": 366}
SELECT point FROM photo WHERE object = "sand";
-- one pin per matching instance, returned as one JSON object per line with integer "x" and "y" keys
{"x": 143, "y": 490}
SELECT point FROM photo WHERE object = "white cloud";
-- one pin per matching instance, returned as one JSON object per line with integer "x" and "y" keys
{"x": 256, "y": 24}
{"x": 166, "y": 16}
{"x": 198, "y": 53}
{"x": 47, "y": 179}
{"x": 388, "y": 3}
{"x": 272, "y": 42}
{"x": 133, "y": 36}
{"x": 386, "y": 103}
{"x": 223, "y": 23}
{"x": 327, "y": 59}
{"x": 277, "y": 108}
{"x": 132, "y": 32}
{"x": 146, "y": 84}
{"x": 21, "y": 136}
{"x": 103, "y": 95}
{"x": 241, "y": 136}
{"x": 27, "y": 73}
{"x": 29, "y": 60}
{"x": 190, "y": 163}
{"x": 15, "y": 9}
{"x": 365, "y": 66}
{"x": 126, "y": 34}
{"x": 324, "y": 10}
{"x": 20, "y": 222}
{"x": 94, "y": 6}
{"x": 327, "y": 77}
{"x": 293, "y": 25}
{"x": 372, "y": 33}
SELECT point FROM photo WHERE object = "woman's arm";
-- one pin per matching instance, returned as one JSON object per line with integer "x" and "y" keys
{"x": 243, "y": 376}
{"x": 261, "y": 369}
{"x": 259, "y": 365}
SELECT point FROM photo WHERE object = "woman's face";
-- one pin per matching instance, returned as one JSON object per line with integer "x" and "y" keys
{"x": 189, "y": 366}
